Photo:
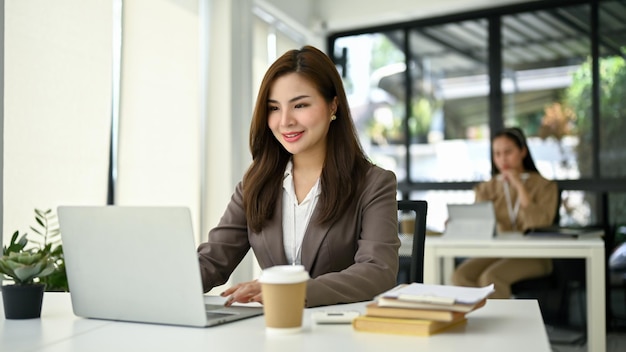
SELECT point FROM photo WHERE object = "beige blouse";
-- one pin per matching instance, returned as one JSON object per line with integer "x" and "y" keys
{"x": 540, "y": 212}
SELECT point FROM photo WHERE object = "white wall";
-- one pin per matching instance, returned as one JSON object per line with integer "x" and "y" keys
{"x": 227, "y": 108}
{"x": 57, "y": 75}
{"x": 159, "y": 148}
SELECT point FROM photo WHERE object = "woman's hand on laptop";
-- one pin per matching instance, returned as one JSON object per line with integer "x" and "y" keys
{"x": 244, "y": 292}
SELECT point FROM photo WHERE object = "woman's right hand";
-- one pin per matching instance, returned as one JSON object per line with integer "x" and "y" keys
{"x": 245, "y": 292}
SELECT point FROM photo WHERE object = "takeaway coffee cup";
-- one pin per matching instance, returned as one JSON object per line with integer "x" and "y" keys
{"x": 284, "y": 294}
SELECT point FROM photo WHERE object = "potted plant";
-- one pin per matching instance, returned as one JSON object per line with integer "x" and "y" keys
{"x": 26, "y": 267}
{"x": 48, "y": 238}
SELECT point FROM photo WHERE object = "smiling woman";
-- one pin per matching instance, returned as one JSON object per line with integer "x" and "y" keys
{"x": 311, "y": 196}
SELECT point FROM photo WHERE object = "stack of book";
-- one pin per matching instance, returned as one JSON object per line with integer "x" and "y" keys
{"x": 421, "y": 310}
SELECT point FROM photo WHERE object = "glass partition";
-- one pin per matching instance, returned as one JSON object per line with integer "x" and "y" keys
{"x": 448, "y": 112}
{"x": 372, "y": 61}
{"x": 422, "y": 99}
{"x": 542, "y": 52}
{"x": 612, "y": 46}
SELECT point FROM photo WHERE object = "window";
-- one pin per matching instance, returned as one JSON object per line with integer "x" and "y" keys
{"x": 532, "y": 65}
{"x": 612, "y": 71}
{"x": 542, "y": 51}
{"x": 374, "y": 62}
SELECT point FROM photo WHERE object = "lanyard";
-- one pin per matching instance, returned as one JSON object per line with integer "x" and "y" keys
{"x": 513, "y": 209}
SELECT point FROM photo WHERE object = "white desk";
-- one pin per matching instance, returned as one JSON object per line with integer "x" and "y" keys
{"x": 439, "y": 256}
{"x": 502, "y": 325}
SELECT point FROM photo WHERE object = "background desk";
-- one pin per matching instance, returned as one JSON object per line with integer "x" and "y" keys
{"x": 502, "y": 325}
{"x": 439, "y": 256}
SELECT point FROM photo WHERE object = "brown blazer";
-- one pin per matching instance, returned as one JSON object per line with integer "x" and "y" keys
{"x": 350, "y": 260}
{"x": 543, "y": 195}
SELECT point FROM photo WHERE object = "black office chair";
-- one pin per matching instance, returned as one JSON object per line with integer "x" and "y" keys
{"x": 412, "y": 264}
{"x": 553, "y": 290}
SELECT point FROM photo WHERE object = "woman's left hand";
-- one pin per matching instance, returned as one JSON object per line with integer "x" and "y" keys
{"x": 244, "y": 292}
{"x": 514, "y": 178}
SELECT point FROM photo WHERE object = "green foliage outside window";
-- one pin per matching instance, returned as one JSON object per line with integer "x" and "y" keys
{"x": 612, "y": 115}
{"x": 612, "y": 155}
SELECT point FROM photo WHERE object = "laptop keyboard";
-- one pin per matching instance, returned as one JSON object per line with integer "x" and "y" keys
{"x": 217, "y": 311}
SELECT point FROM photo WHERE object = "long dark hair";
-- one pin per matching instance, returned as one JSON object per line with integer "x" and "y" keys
{"x": 516, "y": 135}
{"x": 345, "y": 164}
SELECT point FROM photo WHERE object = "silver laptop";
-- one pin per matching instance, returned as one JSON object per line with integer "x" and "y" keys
{"x": 138, "y": 264}
{"x": 471, "y": 221}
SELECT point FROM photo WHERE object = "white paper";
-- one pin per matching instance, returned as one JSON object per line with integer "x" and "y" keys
{"x": 443, "y": 294}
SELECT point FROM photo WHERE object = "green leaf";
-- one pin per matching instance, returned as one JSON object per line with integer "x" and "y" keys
{"x": 26, "y": 258}
{"x": 46, "y": 271}
{"x": 26, "y": 273}
{"x": 12, "y": 264}
{"x": 6, "y": 269}
{"x": 14, "y": 237}
{"x": 57, "y": 251}
{"x": 16, "y": 246}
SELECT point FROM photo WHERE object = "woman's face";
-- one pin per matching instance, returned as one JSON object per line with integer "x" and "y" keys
{"x": 298, "y": 115}
{"x": 507, "y": 155}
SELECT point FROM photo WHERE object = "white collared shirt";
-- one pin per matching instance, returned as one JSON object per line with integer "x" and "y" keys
{"x": 296, "y": 216}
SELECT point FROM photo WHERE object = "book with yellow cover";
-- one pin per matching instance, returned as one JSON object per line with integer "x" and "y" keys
{"x": 417, "y": 327}
{"x": 375, "y": 310}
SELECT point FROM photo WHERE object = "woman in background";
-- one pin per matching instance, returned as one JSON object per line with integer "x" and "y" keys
{"x": 523, "y": 200}
{"x": 311, "y": 196}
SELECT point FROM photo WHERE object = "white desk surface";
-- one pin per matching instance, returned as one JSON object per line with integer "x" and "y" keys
{"x": 502, "y": 325}
{"x": 439, "y": 253}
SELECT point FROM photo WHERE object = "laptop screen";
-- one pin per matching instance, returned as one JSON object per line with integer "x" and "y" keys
{"x": 133, "y": 264}
{"x": 471, "y": 221}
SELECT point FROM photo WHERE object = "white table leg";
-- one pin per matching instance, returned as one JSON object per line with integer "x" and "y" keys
{"x": 596, "y": 301}
{"x": 448, "y": 269}
{"x": 431, "y": 266}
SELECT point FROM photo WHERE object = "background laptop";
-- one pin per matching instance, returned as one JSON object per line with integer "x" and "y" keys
{"x": 471, "y": 221}
{"x": 137, "y": 264}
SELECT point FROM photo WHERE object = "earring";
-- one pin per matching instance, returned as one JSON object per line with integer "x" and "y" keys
{"x": 333, "y": 117}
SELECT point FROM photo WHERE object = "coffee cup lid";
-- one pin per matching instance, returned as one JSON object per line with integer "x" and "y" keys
{"x": 284, "y": 274}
